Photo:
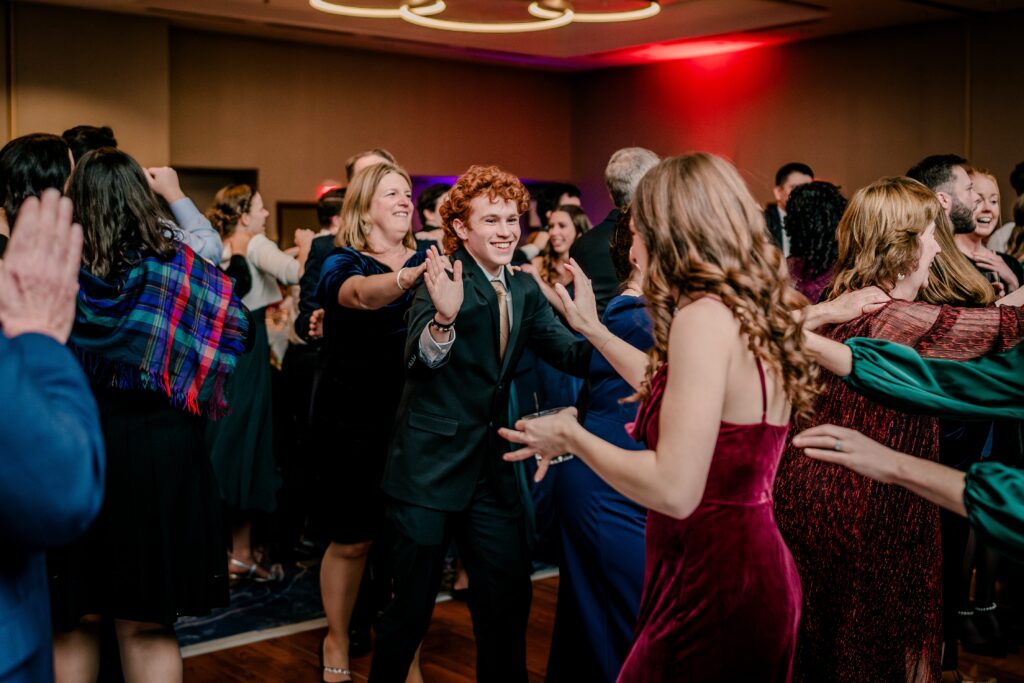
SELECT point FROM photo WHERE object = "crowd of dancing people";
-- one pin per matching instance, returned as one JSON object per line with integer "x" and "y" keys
{"x": 760, "y": 443}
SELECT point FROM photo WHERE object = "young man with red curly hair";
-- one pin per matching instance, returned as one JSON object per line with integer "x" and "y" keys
{"x": 445, "y": 476}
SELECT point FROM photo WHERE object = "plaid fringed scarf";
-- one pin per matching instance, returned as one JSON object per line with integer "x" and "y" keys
{"x": 170, "y": 326}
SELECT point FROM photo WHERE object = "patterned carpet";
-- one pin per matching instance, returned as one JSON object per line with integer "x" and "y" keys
{"x": 258, "y": 607}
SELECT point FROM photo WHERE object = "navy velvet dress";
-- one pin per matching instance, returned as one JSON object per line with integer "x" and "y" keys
{"x": 360, "y": 383}
{"x": 602, "y": 532}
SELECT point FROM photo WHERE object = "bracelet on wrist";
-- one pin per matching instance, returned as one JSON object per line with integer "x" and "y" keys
{"x": 398, "y": 279}
{"x": 441, "y": 327}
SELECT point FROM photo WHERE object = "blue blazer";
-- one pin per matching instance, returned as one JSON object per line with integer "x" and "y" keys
{"x": 51, "y": 486}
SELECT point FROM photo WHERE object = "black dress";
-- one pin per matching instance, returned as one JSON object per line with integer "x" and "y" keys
{"x": 156, "y": 550}
{"x": 360, "y": 384}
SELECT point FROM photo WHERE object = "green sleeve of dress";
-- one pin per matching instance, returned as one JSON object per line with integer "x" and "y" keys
{"x": 994, "y": 498}
{"x": 896, "y": 376}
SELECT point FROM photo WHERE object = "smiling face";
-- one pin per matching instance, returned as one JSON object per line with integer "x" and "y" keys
{"x": 391, "y": 207}
{"x": 986, "y": 214}
{"x": 491, "y": 231}
{"x": 561, "y": 232}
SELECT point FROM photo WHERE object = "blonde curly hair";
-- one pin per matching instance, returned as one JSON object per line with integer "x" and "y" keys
{"x": 705, "y": 235}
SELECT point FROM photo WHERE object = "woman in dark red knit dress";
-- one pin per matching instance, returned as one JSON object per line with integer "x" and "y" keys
{"x": 868, "y": 554}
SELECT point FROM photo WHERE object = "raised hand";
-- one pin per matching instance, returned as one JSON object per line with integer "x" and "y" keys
{"x": 303, "y": 239}
{"x": 445, "y": 291}
{"x": 581, "y": 311}
{"x": 164, "y": 181}
{"x": 544, "y": 438}
{"x": 39, "y": 273}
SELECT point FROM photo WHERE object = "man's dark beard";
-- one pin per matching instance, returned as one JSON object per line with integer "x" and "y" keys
{"x": 962, "y": 218}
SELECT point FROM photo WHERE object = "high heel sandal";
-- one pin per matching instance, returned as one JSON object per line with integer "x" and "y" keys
{"x": 252, "y": 571}
{"x": 331, "y": 670}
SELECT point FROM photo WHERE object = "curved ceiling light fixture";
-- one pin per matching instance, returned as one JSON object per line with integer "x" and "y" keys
{"x": 428, "y": 8}
{"x": 545, "y": 10}
{"x": 550, "y": 14}
{"x": 558, "y": 20}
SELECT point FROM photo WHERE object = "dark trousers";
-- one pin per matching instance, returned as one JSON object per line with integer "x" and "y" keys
{"x": 491, "y": 537}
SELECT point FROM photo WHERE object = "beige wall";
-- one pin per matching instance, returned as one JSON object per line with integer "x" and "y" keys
{"x": 997, "y": 101}
{"x": 73, "y": 67}
{"x": 298, "y": 112}
{"x": 854, "y": 107}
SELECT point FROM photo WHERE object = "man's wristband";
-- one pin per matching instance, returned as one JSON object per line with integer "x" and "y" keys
{"x": 441, "y": 327}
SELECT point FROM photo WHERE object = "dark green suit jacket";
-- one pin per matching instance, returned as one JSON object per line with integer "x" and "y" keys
{"x": 446, "y": 428}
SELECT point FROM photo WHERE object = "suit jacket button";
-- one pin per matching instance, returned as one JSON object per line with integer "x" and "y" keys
{"x": 491, "y": 425}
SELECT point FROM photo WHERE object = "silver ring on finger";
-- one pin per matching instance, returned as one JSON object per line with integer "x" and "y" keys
{"x": 838, "y": 446}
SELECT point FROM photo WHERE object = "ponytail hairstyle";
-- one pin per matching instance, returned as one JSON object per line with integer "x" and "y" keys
{"x": 706, "y": 235}
{"x": 229, "y": 205}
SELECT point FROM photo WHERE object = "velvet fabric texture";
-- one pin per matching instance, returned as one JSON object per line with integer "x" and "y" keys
{"x": 721, "y": 599}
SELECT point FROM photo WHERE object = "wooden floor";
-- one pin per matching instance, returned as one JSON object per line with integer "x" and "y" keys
{"x": 448, "y": 652}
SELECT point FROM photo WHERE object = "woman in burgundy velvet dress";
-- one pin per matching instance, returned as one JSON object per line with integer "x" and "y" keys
{"x": 721, "y": 598}
{"x": 868, "y": 553}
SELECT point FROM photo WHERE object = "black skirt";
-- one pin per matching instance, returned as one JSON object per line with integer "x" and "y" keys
{"x": 156, "y": 551}
{"x": 241, "y": 444}
{"x": 348, "y": 464}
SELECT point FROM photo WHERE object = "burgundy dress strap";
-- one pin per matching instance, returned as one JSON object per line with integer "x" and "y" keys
{"x": 764, "y": 390}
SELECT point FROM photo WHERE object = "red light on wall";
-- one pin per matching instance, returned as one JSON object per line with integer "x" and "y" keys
{"x": 326, "y": 186}
{"x": 691, "y": 49}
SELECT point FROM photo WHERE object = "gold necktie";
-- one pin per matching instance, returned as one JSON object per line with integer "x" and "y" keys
{"x": 503, "y": 323}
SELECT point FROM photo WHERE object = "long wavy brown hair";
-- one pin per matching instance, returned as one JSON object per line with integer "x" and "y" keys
{"x": 706, "y": 235}
{"x": 121, "y": 219}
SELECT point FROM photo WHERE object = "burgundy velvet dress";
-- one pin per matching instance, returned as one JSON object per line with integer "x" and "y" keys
{"x": 869, "y": 554}
{"x": 721, "y": 598}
